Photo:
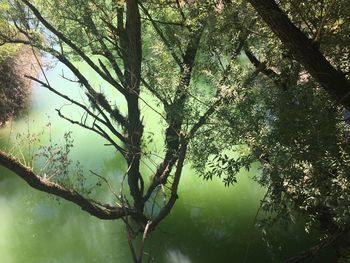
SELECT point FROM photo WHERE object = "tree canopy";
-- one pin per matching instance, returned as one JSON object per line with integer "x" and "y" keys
{"x": 267, "y": 80}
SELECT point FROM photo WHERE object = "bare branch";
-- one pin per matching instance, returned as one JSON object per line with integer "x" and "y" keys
{"x": 173, "y": 196}
{"x": 73, "y": 46}
{"x": 99, "y": 131}
{"x": 106, "y": 122}
{"x": 203, "y": 119}
{"x": 171, "y": 23}
{"x": 102, "y": 211}
{"x": 154, "y": 92}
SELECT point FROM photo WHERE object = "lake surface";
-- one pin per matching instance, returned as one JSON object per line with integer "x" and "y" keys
{"x": 209, "y": 223}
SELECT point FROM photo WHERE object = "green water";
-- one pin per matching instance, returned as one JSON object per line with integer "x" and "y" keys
{"x": 210, "y": 222}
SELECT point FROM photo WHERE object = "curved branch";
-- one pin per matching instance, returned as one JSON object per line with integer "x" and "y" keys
{"x": 102, "y": 211}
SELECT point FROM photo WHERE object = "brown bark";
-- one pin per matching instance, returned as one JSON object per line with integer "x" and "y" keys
{"x": 304, "y": 51}
{"x": 102, "y": 211}
{"x": 132, "y": 61}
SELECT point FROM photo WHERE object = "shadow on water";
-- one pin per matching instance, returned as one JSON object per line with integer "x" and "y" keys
{"x": 212, "y": 223}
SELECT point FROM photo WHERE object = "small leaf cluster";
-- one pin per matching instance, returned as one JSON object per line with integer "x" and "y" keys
{"x": 224, "y": 167}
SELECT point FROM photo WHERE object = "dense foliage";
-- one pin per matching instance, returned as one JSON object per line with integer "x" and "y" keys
{"x": 286, "y": 121}
{"x": 13, "y": 86}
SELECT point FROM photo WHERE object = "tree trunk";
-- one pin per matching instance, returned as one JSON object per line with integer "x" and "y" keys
{"x": 304, "y": 51}
{"x": 132, "y": 84}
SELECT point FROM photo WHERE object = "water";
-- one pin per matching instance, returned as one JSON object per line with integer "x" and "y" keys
{"x": 209, "y": 223}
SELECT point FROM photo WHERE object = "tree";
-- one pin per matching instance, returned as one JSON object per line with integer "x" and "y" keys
{"x": 223, "y": 82}
{"x": 111, "y": 33}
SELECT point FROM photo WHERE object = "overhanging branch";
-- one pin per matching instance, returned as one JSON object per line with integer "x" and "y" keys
{"x": 102, "y": 211}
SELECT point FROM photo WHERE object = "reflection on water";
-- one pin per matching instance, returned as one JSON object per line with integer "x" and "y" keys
{"x": 210, "y": 222}
{"x": 175, "y": 256}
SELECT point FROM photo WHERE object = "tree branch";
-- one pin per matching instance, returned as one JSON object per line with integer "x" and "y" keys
{"x": 261, "y": 67}
{"x": 102, "y": 211}
{"x": 162, "y": 36}
{"x": 133, "y": 47}
{"x": 175, "y": 116}
{"x": 106, "y": 122}
{"x": 73, "y": 46}
{"x": 99, "y": 130}
{"x": 173, "y": 195}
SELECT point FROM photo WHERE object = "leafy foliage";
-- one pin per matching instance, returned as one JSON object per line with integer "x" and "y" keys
{"x": 286, "y": 122}
{"x": 13, "y": 87}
